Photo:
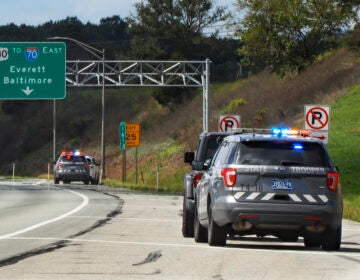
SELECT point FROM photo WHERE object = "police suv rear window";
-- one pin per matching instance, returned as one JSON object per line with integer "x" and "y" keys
{"x": 70, "y": 158}
{"x": 278, "y": 153}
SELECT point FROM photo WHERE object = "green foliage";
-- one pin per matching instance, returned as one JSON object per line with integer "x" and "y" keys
{"x": 288, "y": 35}
{"x": 164, "y": 29}
{"x": 112, "y": 32}
{"x": 234, "y": 105}
{"x": 344, "y": 148}
{"x": 162, "y": 158}
{"x": 174, "y": 30}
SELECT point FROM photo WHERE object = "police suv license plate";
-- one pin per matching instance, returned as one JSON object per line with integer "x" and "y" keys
{"x": 281, "y": 184}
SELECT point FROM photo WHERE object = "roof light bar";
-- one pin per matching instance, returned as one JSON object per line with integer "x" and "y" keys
{"x": 284, "y": 131}
{"x": 252, "y": 130}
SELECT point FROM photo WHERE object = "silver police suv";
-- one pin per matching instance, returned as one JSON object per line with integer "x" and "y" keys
{"x": 278, "y": 182}
{"x": 207, "y": 146}
{"x": 94, "y": 169}
{"x": 71, "y": 166}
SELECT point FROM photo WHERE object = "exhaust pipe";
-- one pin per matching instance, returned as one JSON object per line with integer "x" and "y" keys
{"x": 316, "y": 228}
{"x": 243, "y": 225}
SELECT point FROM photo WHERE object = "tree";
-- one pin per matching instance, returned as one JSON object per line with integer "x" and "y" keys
{"x": 113, "y": 32}
{"x": 172, "y": 30}
{"x": 287, "y": 35}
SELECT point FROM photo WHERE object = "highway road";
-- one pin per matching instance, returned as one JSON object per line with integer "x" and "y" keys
{"x": 74, "y": 232}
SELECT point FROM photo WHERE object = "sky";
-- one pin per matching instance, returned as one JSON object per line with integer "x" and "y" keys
{"x": 36, "y": 12}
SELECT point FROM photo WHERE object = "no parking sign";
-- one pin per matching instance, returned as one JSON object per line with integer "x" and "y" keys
{"x": 317, "y": 119}
{"x": 228, "y": 122}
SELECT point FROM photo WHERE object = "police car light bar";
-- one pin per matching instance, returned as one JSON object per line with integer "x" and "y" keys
{"x": 74, "y": 152}
{"x": 274, "y": 131}
{"x": 252, "y": 130}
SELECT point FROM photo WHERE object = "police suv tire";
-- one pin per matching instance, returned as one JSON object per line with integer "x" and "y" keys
{"x": 200, "y": 233}
{"x": 312, "y": 241}
{"x": 56, "y": 181}
{"x": 187, "y": 222}
{"x": 86, "y": 182}
{"x": 216, "y": 235}
{"x": 332, "y": 239}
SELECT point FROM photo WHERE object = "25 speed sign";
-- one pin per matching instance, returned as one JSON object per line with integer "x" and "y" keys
{"x": 132, "y": 134}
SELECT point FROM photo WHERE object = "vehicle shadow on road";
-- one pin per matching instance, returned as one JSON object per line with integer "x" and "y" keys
{"x": 271, "y": 243}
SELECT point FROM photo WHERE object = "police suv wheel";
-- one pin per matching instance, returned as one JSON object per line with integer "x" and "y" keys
{"x": 216, "y": 235}
{"x": 332, "y": 239}
{"x": 312, "y": 241}
{"x": 187, "y": 222}
{"x": 200, "y": 234}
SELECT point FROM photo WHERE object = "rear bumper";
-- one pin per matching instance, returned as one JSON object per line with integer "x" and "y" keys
{"x": 271, "y": 216}
{"x": 72, "y": 176}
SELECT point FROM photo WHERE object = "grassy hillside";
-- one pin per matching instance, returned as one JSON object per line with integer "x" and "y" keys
{"x": 344, "y": 147}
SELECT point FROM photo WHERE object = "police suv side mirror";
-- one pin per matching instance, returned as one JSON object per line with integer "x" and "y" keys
{"x": 189, "y": 157}
{"x": 197, "y": 165}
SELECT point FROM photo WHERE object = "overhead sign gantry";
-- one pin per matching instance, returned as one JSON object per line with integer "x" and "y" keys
{"x": 89, "y": 73}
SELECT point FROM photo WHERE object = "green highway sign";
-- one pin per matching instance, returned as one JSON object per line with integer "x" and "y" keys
{"x": 122, "y": 132}
{"x": 32, "y": 70}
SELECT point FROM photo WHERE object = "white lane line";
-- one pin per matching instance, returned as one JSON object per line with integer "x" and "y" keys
{"x": 85, "y": 202}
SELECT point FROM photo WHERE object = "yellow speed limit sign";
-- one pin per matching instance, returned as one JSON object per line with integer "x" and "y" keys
{"x": 132, "y": 134}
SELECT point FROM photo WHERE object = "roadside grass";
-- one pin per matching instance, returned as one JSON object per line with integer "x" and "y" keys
{"x": 160, "y": 168}
{"x": 344, "y": 148}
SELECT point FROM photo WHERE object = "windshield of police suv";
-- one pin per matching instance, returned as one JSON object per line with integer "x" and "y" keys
{"x": 278, "y": 153}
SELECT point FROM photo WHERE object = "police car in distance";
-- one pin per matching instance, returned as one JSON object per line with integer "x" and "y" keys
{"x": 94, "y": 169}
{"x": 71, "y": 166}
{"x": 276, "y": 182}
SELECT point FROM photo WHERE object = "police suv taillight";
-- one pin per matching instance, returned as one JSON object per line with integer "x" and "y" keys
{"x": 197, "y": 178}
{"x": 332, "y": 180}
{"x": 229, "y": 175}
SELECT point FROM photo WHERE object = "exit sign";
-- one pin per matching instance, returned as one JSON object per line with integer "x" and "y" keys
{"x": 32, "y": 70}
{"x": 132, "y": 134}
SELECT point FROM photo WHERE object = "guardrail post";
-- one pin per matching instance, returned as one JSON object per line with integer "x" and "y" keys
{"x": 13, "y": 172}
{"x": 157, "y": 176}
